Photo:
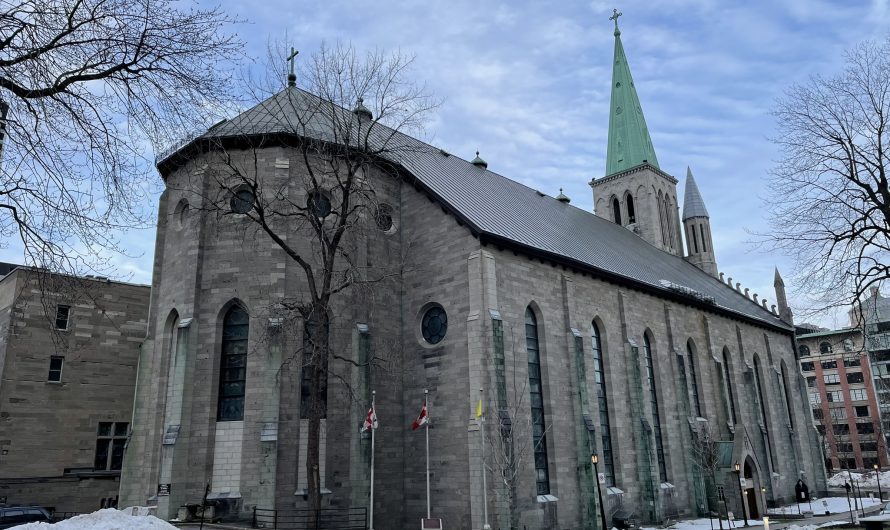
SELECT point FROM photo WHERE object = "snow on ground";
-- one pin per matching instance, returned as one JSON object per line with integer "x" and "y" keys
{"x": 107, "y": 519}
{"x": 866, "y": 480}
{"x": 831, "y": 504}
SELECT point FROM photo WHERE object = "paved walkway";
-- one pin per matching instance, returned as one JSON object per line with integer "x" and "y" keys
{"x": 820, "y": 519}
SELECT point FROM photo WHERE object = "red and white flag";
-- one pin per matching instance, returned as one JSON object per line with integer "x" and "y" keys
{"x": 421, "y": 420}
{"x": 370, "y": 420}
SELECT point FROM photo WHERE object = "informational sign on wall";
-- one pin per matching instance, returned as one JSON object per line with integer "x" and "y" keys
{"x": 163, "y": 490}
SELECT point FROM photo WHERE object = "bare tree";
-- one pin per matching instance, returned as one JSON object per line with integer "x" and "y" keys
{"x": 88, "y": 88}
{"x": 705, "y": 452}
{"x": 829, "y": 196}
{"x": 513, "y": 443}
{"x": 344, "y": 129}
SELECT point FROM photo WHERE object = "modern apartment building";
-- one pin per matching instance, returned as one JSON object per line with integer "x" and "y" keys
{"x": 843, "y": 398}
{"x": 872, "y": 316}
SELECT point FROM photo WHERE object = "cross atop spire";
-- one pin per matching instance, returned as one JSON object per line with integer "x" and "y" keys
{"x": 292, "y": 77}
{"x": 615, "y": 15}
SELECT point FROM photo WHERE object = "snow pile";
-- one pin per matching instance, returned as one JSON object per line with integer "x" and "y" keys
{"x": 866, "y": 480}
{"x": 825, "y": 504}
{"x": 107, "y": 519}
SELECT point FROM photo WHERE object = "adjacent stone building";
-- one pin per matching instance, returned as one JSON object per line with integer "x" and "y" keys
{"x": 68, "y": 354}
{"x": 589, "y": 334}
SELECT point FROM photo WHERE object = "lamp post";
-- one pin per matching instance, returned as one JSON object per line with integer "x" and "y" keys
{"x": 878, "y": 479}
{"x": 594, "y": 459}
{"x": 763, "y": 495}
{"x": 738, "y": 471}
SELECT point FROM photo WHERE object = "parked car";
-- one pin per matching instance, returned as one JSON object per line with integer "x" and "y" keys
{"x": 15, "y": 515}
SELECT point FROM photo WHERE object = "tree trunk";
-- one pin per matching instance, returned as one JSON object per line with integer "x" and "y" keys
{"x": 316, "y": 349}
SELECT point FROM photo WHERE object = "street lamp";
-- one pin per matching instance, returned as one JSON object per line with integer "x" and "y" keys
{"x": 878, "y": 479}
{"x": 738, "y": 470}
{"x": 594, "y": 459}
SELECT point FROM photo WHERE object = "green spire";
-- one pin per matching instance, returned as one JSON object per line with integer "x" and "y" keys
{"x": 629, "y": 142}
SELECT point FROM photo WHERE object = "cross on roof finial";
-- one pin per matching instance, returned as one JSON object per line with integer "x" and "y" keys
{"x": 615, "y": 15}
{"x": 292, "y": 77}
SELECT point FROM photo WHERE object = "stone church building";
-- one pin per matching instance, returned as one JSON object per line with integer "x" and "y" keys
{"x": 589, "y": 333}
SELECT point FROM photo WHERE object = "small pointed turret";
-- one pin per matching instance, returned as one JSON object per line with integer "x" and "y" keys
{"x": 781, "y": 299}
{"x": 362, "y": 111}
{"x": 562, "y": 197}
{"x": 697, "y": 224}
{"x": 629, "y": 141}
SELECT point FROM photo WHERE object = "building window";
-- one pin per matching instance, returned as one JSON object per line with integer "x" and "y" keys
{"x": 242, "y": 201}
{"x": 536, "y": 391}
{"x": 383, "y": 217}
{"x": 807, "y": 367}
{"x": 110, "y": 440}
{"x": 434, "y": 325}
{"x": 868, "y": 446}
{"x": 727, "y": 374}
{"x": 838, "y": 413}
{"x": 631, "y": 214}
{"x": 616, "y": 210}
{"x": 820, "y": 429}
{"x": 865, "y": 428}
{"x": 318, "y": 204}
{"x": 845, "y": 447}
{"x": 825, "y": 347}
{"x": 835, "y": 397}
{"x": 656, "y": 417}
{"x": 858, "y": 394}
{"x": 831, "y": 379}
{"x": 811, "y": 382}
{"x": 55, "y": 369}
{"x": 803, "y": 350}
{"x": 828, "y": 365}
{"x": 855, "y": 377}
{"x": 850, "y": 363}
{"x": 600, "y": 376}
{"x": 62, "y": 314}
{"x": 695, "y": 398}
{"x": 815, "y": 398}
{"x": 787, "y": 395}
{"x": 817, "y": 414}
{"x": 841, "y": 429}
{"x": 314, "y": 355}
{"x": 861, "y": 411}
{"x": 233, "y": 365}
{"x": 763, "y": 417}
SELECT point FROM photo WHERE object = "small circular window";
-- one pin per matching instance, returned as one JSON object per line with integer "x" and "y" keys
{"x": 434, "y": 325}
{"x": 242, "y": 201}
{"x": 319, "y": 204}
{"x": 383, "y": 217}
{"x": 181, "y": 214}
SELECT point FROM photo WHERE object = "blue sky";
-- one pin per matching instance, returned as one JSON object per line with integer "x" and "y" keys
{"x": 527, "y": 83}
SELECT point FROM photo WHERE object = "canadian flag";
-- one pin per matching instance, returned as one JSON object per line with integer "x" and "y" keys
{"x": 370, "y": 420}
{"x": 421, "y": 420}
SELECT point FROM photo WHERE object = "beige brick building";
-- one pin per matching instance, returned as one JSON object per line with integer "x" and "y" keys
{"x": 68, "y": 354}
{"x": 596, "y": 331}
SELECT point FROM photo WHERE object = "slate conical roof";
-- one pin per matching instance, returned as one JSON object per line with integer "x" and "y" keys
{"x": 629, "y": 142}
{"x": 693, "y": 204}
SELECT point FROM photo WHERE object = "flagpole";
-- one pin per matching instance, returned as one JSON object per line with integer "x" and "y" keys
{"x": 426, "y": 401}
{"x": 371, "y": 507}
{"x": 484, "y": 485}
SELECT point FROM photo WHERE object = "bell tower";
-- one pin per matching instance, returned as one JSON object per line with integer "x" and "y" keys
{"x": 697, "y": 222}
{"x": 635, "y": 192}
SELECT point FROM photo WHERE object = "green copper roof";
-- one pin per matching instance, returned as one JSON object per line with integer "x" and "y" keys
{"x": 629, "y": 142}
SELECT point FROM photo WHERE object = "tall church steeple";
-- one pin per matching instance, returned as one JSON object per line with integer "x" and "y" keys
{"x": 629, "y": 141}
{"x": 697, "y": 222}
{"x": 635, "y": 192}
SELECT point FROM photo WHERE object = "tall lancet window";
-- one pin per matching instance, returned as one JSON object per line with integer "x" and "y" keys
{"x": 656, "y": 417}
{"x": 233, "y": 365}
{"x": 536, "y": 391}
{"x": 695, "y": 399}
{"x": 759, "y": 383}
{"x": 631, "y": 214}
{"x": 603, "y": 401}
{"x": 727, "y": 376}
{"x": 616, "y": 210}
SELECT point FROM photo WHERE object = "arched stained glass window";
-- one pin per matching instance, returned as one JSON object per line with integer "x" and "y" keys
{"x": 727, "y": 378}
{"x": 763, "y": 418}
{"x": 536, "y": 391}
{"x": 603, "y": 402}
{"x": 233, "y": 365}
{"x": 692, "y": 372}
{"x": 656, "y": 417}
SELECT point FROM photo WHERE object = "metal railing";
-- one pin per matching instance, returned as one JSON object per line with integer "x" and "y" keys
{"x": 328, "y": 519}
